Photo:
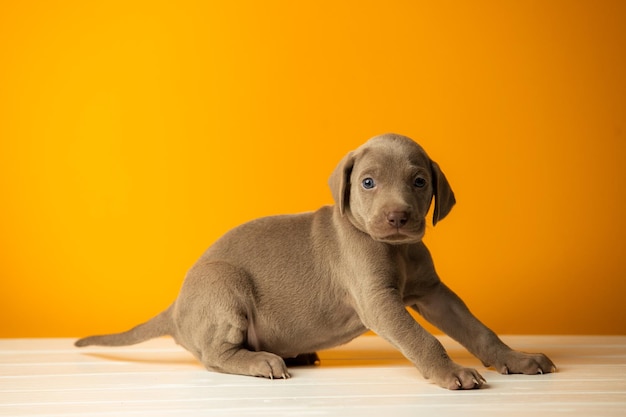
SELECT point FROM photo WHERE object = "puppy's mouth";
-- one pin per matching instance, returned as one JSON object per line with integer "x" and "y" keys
{"x": 400, "y": 235}
{"x": 399, "y": 238}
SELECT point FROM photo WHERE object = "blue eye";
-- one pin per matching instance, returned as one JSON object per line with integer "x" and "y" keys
{"x": 368, "y": 183}
{"x": 419, "y": 182}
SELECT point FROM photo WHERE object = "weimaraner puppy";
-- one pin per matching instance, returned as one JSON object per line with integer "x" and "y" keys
{"x": 287, "y": 286}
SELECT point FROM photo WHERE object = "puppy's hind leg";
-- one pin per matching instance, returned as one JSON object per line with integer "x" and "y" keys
{"x": 213, "y": 314}
{"x": 245, "y": 362}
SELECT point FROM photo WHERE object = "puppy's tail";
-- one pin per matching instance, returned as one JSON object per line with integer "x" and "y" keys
{"x": 161, "y": 325}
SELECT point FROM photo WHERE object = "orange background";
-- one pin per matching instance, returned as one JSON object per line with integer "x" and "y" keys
{"x": 135, "y": 133}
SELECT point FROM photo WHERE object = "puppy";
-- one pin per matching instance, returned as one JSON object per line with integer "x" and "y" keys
{"x": 287, "y": 286}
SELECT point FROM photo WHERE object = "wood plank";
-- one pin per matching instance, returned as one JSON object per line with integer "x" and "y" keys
{"x": 367, "y": 377}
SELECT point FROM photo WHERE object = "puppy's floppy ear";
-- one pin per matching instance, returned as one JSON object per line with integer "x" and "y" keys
{"x": 339, "y": 182}
{"x": 444, "y": 197}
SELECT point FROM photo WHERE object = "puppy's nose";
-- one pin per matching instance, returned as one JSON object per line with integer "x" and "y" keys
{"x": 397, "y": 219}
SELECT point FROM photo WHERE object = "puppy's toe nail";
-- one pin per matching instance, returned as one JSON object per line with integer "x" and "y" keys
{"x": 475, "y": 382}
{"x": 553, "y": 369}
{"x": 539, "y": 371}
{"x": 505, "y": 371}
{"x": 484, "y": 381}
{"x": 458, "y": 383}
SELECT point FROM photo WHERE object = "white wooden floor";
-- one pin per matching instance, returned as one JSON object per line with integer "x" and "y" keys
{"x": 49, "y": 377}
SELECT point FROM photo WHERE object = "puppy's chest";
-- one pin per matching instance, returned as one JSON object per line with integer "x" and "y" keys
{"x": 411, "y": 275}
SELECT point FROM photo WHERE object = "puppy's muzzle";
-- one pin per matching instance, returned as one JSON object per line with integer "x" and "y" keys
{"x": 397, "y": 226}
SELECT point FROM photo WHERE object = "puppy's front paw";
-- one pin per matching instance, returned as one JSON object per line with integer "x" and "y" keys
{"x": 459, "y": 378}
{"x": 524, "y": 363}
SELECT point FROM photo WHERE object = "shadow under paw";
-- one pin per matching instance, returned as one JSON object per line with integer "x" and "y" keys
{"x": 304, "y": 359}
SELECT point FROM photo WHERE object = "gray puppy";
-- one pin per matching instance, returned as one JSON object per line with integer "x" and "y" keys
{"x": 286, "y": 286}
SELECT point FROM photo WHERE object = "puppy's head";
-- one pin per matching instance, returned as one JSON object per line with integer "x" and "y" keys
{"x": 386, "y": 187}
